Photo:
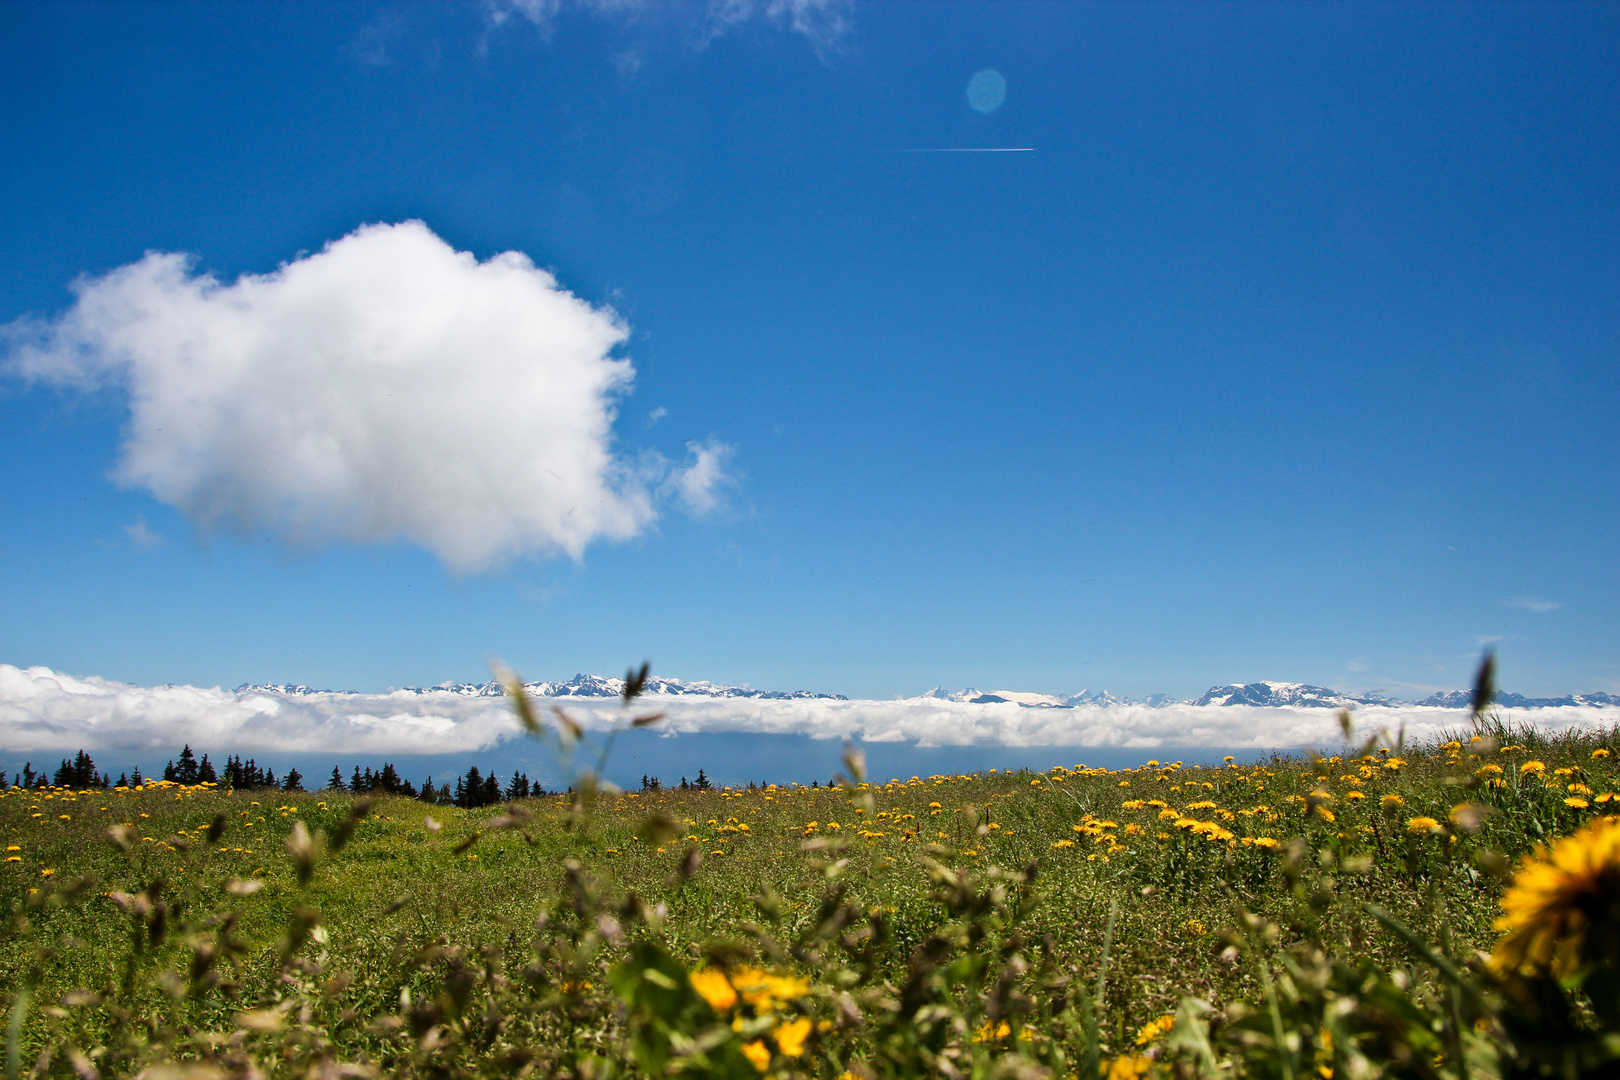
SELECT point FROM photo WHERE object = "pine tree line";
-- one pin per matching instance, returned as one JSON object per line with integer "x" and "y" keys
{"x": 472, "y": 789}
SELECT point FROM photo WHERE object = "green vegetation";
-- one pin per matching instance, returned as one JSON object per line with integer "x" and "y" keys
{"x": 1297, "y": 918}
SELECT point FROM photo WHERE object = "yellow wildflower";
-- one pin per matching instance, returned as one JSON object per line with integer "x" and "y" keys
{"x": 1558, "y": 898}
{"x": 758, "y": 1054}
{"x": 1422, "y": 825}
{"x": 1129, "y": 1067}
{"x": 1532, "y": 767}
{"x": 791, "y": 1035}
{"x": 1154, "y": 1029}
{"x": 715, "y": 988}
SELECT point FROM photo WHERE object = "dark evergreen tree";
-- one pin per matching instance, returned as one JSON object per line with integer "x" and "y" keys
{"x": 136, "y": 779}
{"x": 270, "y": 778}
{"x": 492, "y": 791}
{"x": 702, "y": 782}
{"x": 205, "y": 772}
{"x": 445, "y": 798}
{"x": 293, "y": 781}
{"x": 684, "y": 785}
{"x": 356, "y": 783}
{"x": 183, "y": 771}
{"x": 335, "y": 783}
{"x": 168, "y": 771}
{"x": 430, "y": 794}
{"x": 123, "y": 780}
{"x": 519, "y": 787}
{"x": 3, "y": 785}
{"x": 461, "y": 790}
{"x": 78, "y": 773}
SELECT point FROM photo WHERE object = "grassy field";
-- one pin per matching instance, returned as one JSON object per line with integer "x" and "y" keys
{"x": 925, "y": 926}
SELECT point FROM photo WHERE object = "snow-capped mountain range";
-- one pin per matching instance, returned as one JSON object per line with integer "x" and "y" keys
{"x": 580, "y": 686}
{"x": 1254, "y": 695}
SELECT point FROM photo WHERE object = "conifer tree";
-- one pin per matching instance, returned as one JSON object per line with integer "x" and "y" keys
{"x": 293, "y": 781}
{"x": 335, "y": 783}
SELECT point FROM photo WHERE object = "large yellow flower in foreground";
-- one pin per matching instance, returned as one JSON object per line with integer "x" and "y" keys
{"x": 1557, "y": 899}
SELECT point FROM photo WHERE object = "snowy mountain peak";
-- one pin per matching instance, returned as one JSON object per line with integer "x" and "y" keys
{"x": 1275, "y": 694}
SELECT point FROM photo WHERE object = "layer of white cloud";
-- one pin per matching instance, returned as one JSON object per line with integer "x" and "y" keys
{"x": 45, "y": 711}
{"x": 385, "y": 388}
{"x": 1533, "y": 603}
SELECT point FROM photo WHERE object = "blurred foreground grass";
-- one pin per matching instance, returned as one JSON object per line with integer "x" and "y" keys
{"x": 1041, "y": 923}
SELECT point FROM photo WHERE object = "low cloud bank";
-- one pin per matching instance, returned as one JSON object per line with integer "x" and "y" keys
{"x": 44, "y": 711}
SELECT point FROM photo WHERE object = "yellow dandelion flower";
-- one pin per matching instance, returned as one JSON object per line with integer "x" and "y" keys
{"x": 1267, "y": 842}
{"x": 46, "y": 873}
{"x": 1576, "y": 802}
{"x": 758, "y": 1054}
{"x": 1558, "y": 897}
{"x": 13, "y": 858}
{"x": 1530, "y": 767}
{"x": 765, "y": 991}
{"x": 1063, "y": 844}
{"x": 13, "y": 847}
{"x": 1129, "y": 1067}
{"x": 1600, "y": 753}
{"x": 991, "y": 1031}
{"x": 1153, "y": 1030}
{"x": 1355, "y": 796}
{"x": 1423, "y": 825}
{"x": 1391, "y": 801}
{"x": 715, "y": 988}
{"x": 791, "y": 1035}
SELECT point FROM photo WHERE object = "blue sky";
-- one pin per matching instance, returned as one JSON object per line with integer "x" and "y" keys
{"x": 1289, "y": 351}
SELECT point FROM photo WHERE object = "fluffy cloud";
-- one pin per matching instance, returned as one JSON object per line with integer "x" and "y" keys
{"x": 387, "y": 387}
{"x": 824, "y": 23}
{"x": 698, "y": 485}
{"x": 44, "y": 711}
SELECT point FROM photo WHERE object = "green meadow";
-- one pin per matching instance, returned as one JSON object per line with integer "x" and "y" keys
{"x": 1221, "y": 918}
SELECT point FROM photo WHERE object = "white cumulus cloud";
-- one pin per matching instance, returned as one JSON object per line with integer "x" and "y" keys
{"x": 385, "y": 388}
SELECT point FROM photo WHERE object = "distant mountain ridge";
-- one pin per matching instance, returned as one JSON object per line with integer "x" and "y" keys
{"x": 1255, "y": 695}
{"x": 580, "y": 686}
